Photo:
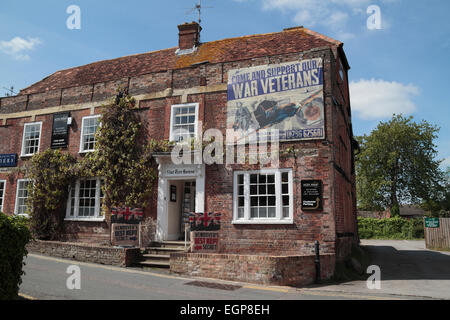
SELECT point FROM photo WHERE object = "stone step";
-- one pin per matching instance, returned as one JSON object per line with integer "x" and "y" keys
{"x": 164, "y": 249}
{"x": 156, "y": 256}
{"x": 155, "y": 264}
{"x": 170, "y": 244}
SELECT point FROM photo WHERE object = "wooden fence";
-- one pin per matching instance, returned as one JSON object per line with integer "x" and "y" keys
{"x": 438, "y": 238}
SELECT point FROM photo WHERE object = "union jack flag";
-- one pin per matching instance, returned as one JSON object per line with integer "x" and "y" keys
{"x": 126, "y": 215}
{"x": 207, "y": 221}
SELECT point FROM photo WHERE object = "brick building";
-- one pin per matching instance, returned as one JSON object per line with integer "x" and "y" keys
{"x": 263, "y": 209}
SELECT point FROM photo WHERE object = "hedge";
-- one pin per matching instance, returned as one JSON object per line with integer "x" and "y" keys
{"x": 14, "y": 235}
{"x": 390, "y": 228}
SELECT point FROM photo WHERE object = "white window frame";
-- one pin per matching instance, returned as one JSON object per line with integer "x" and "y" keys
{"x": 172, "y": 117}
{"x": 82, "y": 133}
{"x": 23, "y": 154}
{"x": 278, "y": 219}
{"x": 16, "y": 207}
{"x": 2, "y": 195}
{"x": 97, "y": 217}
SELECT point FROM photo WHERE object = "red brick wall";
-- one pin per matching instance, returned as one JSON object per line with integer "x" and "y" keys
{"x": 267, "y": 270}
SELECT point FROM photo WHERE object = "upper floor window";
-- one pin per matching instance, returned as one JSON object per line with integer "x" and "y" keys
{"x": 183, "y": 122}
{"x": 85, "y": 200}
{"x": 22, "y": 197}
{"x": 264, "y": 196}
{"x": 31, "y": 138}
{"x": 88, "y": 129}
{"x": 341, "y": 71}
{"x": 2, "y": 194}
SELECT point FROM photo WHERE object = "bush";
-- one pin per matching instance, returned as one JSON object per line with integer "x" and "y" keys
{"x": 392, "y": 228}
{"x": 14, "y": 235}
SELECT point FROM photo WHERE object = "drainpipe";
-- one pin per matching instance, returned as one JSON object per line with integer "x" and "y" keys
{"x": 317, "y": 261}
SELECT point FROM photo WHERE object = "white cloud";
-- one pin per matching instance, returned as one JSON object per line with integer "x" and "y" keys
{"x": 17, "y": 47}
{"x": 332, "y": 14}
{"x": 445, "y": 163}
{"x": 378, "y": 99}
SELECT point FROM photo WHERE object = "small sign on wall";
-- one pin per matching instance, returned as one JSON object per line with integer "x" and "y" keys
{"x": 8, "y": 160}
{"x": 173, "y": 193}
{"x": 312, "y": 195}
{"x": 432, "y": 223}
{"x": 125, "y": 234}
{"x": 207, "y": 242}
{"x": 60, "y": 131}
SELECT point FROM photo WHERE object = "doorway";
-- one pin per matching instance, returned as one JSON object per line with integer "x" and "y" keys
{"x": 187, "y": 206}
{"x": 181, "y": 188}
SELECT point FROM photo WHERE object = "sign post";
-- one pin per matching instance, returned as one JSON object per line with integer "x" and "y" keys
{"x": 126, "y": 226}
{"x": 205, "y": 231}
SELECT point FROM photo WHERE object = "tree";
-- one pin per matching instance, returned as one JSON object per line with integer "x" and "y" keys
{"x": 397, "y": 164}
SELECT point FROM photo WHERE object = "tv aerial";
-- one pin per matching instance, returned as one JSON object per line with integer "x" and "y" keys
{"x": 198, "y": 7}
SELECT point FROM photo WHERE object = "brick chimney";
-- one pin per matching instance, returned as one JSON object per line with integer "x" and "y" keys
{"x": 189, "y": 35}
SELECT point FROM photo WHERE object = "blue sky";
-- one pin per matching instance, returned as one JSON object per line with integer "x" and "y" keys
{"x": 402, "y": 67}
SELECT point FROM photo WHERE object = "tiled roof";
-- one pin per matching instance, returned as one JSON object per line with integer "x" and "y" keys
{"x": 241, "y": 48}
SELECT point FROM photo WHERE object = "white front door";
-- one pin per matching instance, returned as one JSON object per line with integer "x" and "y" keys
{"x": 170, "y": 175}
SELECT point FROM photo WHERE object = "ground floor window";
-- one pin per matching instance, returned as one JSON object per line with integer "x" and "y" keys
{"x": 85, "y": 200}
{"x": 264, "y": 196}
{"x": 22, "y": 197}
{"x": 2, "y": 194}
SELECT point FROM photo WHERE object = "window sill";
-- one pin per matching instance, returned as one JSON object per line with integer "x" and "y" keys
{"x": 263, "y": 221}
{"x": 85, "y": 152}
{"x": 85, "y": 219}
{"x": 27, "y": 155}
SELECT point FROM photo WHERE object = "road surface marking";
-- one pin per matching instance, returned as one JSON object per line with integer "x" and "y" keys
{"x": 346, "y": 295}
{"x": 25, "y": 296}
{"x": 285, "y": 290}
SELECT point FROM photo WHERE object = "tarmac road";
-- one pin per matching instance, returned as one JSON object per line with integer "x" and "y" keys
{"x": 46, "y": 279}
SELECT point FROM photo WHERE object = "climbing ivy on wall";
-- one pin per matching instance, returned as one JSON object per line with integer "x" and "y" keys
{"x": 123, "y": 158}
{"x": 51, "y": 173}
{"x": 123, "y": 155}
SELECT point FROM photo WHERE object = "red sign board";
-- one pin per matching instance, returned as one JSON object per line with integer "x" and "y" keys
{"x": 205, "y": 241}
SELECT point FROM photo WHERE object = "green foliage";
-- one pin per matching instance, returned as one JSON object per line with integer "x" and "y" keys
{"x": 397, "y": 164}
{"x": 51, "y": 172}
{"x": 395, "y": 210}
{"x": 14, "y": 235}
{"x": 439, "y": 205}
{"x": 123, "y": 156}
{"x": 392, "y": 228}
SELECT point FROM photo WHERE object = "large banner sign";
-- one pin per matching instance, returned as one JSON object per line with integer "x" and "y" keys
{"x": 287, "y": 96}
